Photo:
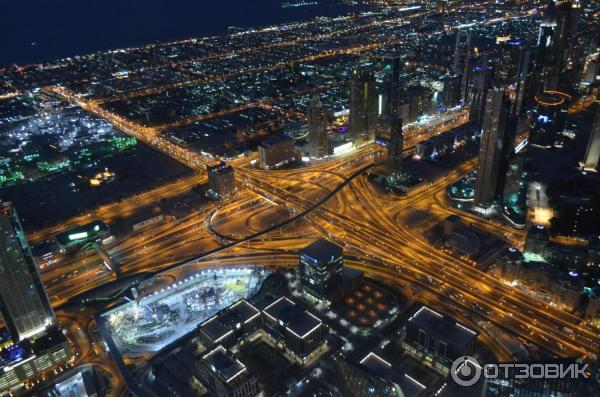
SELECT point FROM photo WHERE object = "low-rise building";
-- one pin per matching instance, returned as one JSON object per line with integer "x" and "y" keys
{"x": 437, "y": 339}
{"x": 233, "y": 322}
{"x": 302, "y": 333}
{"x": 224, "y": 375}
{"x": 277, "y": 151}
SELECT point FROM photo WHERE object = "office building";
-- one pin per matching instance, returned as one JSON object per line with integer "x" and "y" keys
{"x": 592, "y": 153}
{"x": 277, "y": 151}
{"x": 318, "y": 142}
{"x": 395, "y": 150}
{"x": 414, "y": 102}
{"x": 321, "y": 268}
{"x": 363, "y": 108}
{"x": 301, "y": 332}
{"x": 224, "y": 375}
{"x": 30, "y": 358}
{"x": 556, "y": 44}
{"x": 221, "y": 179}
{"x": 480, "y": 84}
{"x": 24, "y": 305}
{"x": 451, "y": 91}
{"x": 230, "y": 324}
{"x": 437, "y": 339}
{"x": 526, "y": 81}
{"x": 462, "y": 62}
{"x": 491, "y": 148}
{"x": 391, "y": 83}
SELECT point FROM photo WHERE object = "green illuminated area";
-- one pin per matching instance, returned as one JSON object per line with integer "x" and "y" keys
{"x": 49, "y": 142}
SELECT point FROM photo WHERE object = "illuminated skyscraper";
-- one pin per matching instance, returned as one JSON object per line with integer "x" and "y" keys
{"x": 491, "y": 148}
{"x": 592, "y": 153}
{"x": 395, "y": 149}
{"x": 318, "y": 143}
{"x": 480, "y": 84}
{"x": 363, "y": 108}
{"x": 451, "y": 91}
{"x": 462, "y": 61}
{"x": 526, "y": 81}
{"x": 556, "y": 43}
{"x": 24, "y": 304}
{"x": 391, "y": 83}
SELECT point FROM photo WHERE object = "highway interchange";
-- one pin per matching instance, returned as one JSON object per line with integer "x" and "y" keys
{"x": 372, "y": 227}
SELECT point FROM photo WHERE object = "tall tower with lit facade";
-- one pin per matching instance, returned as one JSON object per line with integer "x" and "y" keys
{"x": 391, "y": 83}
{"x": 318, "y": 144}
{"x": 24, "y": 304}
{"x": 363, "y": 108}
{"x": 462, "y": 61}
{"x": 480, "y": 84}
{"x": 395, "y": 149}
{"x": 592, "y": 153}
{"x": 492, "y": 147}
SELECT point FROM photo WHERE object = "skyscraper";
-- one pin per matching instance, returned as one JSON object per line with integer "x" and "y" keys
{"x": 391, "y": 83}
{"x": 480, "y": 84}
{"x": 363, "y": 108}
{"x": 24, "y": 304}
{"x": 318, "y": 144}
{"x": 556, "y": 44}
{"x": 592, "y": 153}
{"x": 526, "y": 81}
{"x": 462, "y": 61}
{"x": 451, "y": 91}
{"x": 395, "y": 149}
{"x": 492, "y": 147}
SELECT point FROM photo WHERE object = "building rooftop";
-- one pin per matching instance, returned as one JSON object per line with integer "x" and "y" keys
{"x": 322, "y": 251}
{"x": 443, "y": 328}
{"x": 378, "y": 366}
{"x": 219, "y": 169}
{"x": 276, "y": 139}
{"x": 297, "y": 320}
{"x": 223, "y": 323}
{"x": 223, "y": 364}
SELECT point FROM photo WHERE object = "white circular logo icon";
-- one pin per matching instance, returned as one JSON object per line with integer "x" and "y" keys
{"x": 465, "y": 371}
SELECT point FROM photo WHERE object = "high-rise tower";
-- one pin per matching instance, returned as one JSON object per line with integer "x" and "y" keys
{"x": 526, "y": 81}
{"x": 480, "y": 84}
{"x": 24, "y": 304}
{"x": 391, "y": 83}
{"x": 395, "y": 149}
{"x": 363, "y": 108}
{"x": 492, "y": 147}
{"x": 318, "y": 143}
{"x": 592, "y": 153}
{"x": 462, "y": 61}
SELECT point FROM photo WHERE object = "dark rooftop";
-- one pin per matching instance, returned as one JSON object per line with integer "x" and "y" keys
{"x": 275, "y": 139}
{"x": 322, "y": 251}
{"x": 443, "y": 328}
{"x": 382, "y": 368}
{"x": 227, "y": 320}
{"x": 297, "y": 320}
{"x": 221, "y": 168}
{"x": 223, "y": 364}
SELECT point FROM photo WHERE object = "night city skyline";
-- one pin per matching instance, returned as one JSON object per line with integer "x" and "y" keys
{"x": 339, "y": 198}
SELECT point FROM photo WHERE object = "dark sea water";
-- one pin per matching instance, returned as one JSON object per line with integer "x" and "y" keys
{"x": 41, "y": 30}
